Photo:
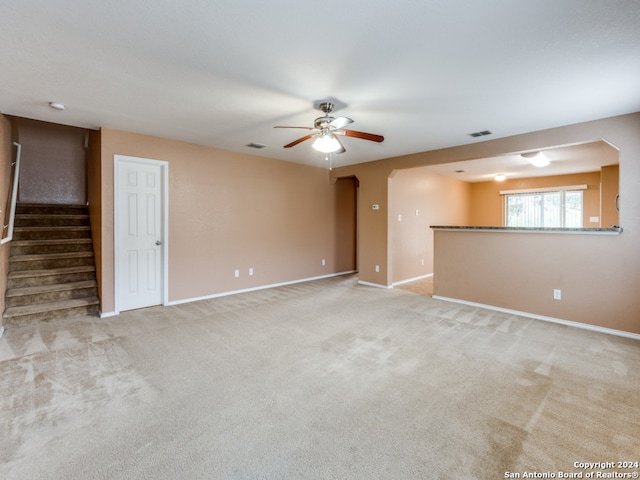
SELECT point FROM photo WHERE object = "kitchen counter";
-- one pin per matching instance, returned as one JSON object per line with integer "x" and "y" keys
{"x": 591, "y": 231}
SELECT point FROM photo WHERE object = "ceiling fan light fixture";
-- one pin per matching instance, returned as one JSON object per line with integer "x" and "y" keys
{"x": 537, "y": 159}
{"x": 326, "y": 144}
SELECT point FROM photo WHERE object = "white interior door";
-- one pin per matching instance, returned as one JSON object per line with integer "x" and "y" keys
{"x": 140, "y": 235}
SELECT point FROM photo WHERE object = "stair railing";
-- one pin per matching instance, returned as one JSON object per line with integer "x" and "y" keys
{"x": 12, "y": 198}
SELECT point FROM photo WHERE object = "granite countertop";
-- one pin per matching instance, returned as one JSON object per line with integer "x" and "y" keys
{"x": 610, "y": 231}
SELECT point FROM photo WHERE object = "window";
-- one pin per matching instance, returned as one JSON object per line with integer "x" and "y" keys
{"x": 549, "y": 208}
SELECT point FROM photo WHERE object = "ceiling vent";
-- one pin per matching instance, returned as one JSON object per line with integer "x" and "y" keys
{"x": 255, "y": 145}
{"x": 480, "y": 134}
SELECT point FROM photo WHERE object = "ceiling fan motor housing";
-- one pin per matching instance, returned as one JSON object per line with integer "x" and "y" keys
{"x": 323, "y": 122}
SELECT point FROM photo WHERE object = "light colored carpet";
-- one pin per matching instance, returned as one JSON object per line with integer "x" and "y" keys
{"x": 321, "y": 380}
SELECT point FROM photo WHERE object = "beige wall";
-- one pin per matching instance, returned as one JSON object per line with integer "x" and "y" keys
{"x": 5, "y": 174}
{"x": 231, "y": 211}
{"x": 437, "y": 200}
{"x": 487, "y": 204}
{"x": 372, "y": 224}
{"x": 53, "y": 163}
{"x": 520, "y": 271}
{"x": 599, "y": 275}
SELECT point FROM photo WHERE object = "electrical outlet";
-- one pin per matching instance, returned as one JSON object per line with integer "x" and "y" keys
{"x": 377, "y": 268}
{"x": 557, "y": 294}
{"x": 324, "y": 262}
{"x": 250, "y": 271}
{"x": 236, "y": 273}
{"x": 399, "y": 217}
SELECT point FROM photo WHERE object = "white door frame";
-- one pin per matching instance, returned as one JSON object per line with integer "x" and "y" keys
{"x": 164, "y": 171}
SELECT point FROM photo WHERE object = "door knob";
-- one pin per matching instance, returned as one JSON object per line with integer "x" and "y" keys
{"x": 158, "y": 242}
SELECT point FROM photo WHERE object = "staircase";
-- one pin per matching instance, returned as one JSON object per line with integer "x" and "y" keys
{"x": 51, "y": 266}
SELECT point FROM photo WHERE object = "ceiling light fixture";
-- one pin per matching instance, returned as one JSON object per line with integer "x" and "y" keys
{"x": 500, "y": 177}
{"x": 537, "y": 159}
{"x": 326, "y": 144}
{"x": 56, "y": 105}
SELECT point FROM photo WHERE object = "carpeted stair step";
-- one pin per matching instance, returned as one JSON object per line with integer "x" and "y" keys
{"x": 50, "y": 233}
{"x": 51, "y": 220}
{"x": 49, "y": 260}
{"x": 50, "y": 209}
{"x": 64, "y": 245}
{"x": 51, "y": 293}
{"x": 22, "y": 315}
{"x": 52, "y": 276}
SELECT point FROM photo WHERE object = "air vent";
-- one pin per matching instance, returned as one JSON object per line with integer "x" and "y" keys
{"x": 461, "y": 171}
{"x": 480, "y": 134}
{"x": 255, "y": 145}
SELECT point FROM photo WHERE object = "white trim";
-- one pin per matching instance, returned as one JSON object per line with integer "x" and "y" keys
{"x": 1, "y": 331}
{"x": 254, "y": 289}
{"x": 164, "y": 172}
{"x": 567, "y": 188}
{"x": 584, "y": 326}
{"x": 107, "y": 314}
{"x": 409, "y": 280}
{"x": 377, "y": 285}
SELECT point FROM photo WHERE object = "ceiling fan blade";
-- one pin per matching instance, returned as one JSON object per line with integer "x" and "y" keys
{"x": 305, "y": 128}
{"x": 340, "y": 122}
{"x": 364, "y": 135}
{"x": 300, "y": 140}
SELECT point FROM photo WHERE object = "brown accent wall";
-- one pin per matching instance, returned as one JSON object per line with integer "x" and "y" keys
{"x": 345, "y": 205}
{"x": 5, "y": 174}
{"x": 53, "y": 163}
{"x": 421, "y": 199}
{"x": 599, "y": 275}
{"x": 487, "y": 204}
{"x": 94, "y": 199}
{"x": 231, "y": 211}
{"x": 609, "y": 191}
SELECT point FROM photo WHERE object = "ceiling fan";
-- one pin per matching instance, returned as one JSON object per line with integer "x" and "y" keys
{"x": 326, "y": 130}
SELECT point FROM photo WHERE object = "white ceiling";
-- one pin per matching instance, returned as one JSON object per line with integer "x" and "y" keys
{"x": 587, "y": 157}
{"x": 423, "y": 73}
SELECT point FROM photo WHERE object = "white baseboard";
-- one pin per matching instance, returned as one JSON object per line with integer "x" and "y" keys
{"x": 409, "y": 280}
{"x": 1, "y": 331}
{"x": 107, "y": 314}
{"x": 254, "y": 289}
{"x": 584, "y": 326}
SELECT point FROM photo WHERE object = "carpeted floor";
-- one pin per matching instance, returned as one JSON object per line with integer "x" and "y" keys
{"x": 320, "y": 380}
